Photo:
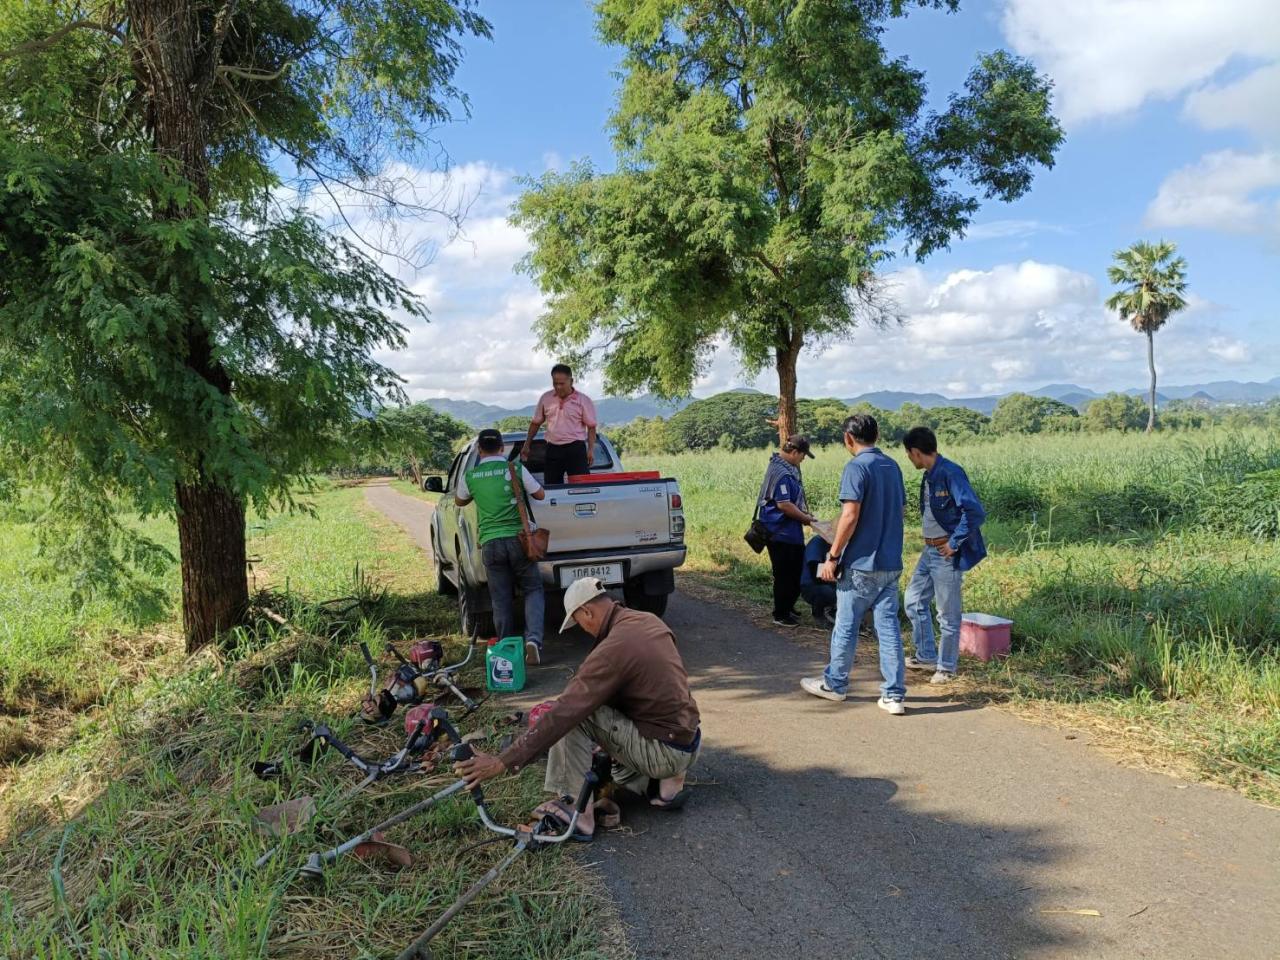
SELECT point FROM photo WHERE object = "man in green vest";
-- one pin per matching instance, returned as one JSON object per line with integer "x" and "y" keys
{"x": 489, "y": 483}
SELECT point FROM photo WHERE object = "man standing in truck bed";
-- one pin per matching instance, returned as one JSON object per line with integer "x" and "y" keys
{"x": 570, "y": 417}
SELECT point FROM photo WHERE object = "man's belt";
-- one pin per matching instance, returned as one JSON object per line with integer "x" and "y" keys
{"x": 693, "y": 744}
{"x": 936, "y": 541}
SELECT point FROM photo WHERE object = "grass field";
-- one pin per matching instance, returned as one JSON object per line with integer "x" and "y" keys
{"x": 140, "y": 790}
{"x": 1142, "y": 575}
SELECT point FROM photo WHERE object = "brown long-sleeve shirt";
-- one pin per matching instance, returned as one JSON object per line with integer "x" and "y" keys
{"x": 634, "y": 668}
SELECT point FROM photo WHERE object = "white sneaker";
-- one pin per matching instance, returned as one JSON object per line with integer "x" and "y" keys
{"x": 913, "y": 663}
{"x": 815, "y": 686}
{"x": 942, "y": 676}
{"x": 895, "y": 707}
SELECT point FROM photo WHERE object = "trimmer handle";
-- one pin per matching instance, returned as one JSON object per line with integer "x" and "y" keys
{"x": 460, "y": 752}
{"x": 588, "y": 787}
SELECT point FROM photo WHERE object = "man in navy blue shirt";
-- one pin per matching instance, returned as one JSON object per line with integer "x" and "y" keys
{"x": 785, "y": 513}
{"x": 865, "y": 562}
{"x": 951, "y": 518}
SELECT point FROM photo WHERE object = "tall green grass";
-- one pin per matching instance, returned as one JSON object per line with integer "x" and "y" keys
{"x": 1142, "y": 574}
{"x": 148, "y": 808}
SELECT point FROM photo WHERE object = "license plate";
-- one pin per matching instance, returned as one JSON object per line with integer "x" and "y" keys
{"x": 609, "y": 573}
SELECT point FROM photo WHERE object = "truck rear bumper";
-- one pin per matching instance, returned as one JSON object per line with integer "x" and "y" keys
{"x": 635, "y": 563}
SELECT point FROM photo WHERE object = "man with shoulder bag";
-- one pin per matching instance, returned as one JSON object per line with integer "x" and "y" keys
{"x": 781, "y": 516}
{"x": 509, "y": 545}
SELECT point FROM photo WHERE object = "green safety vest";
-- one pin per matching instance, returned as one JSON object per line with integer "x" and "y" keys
{"x": 490, "y": 487}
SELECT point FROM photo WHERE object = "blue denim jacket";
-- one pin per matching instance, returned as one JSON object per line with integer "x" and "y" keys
{"x": 957, "y": 508}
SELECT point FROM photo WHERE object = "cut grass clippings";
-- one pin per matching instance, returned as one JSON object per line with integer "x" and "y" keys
{"x": 148, "y": 807}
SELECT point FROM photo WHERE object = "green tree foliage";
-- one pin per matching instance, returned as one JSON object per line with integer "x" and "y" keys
{"x": 513, "y": 424}
{"x": 1153, "y": 282}
{"x": 957, "y": 423}
{"x": 173, "y": 337}
{"x": 770, "y": 156}
{"x": 745, "y": 416}
{"x": 1115, "y": 411}
{"x": 414, "y": 438}
{"x": 1023, "y": 413}
{"x": 643, "y": 435}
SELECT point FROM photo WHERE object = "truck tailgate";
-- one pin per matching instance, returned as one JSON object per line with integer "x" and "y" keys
{"x": 607, "y": 516}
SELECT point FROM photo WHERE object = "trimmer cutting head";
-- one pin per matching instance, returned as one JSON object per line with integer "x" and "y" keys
{"x": 313, "y": 869}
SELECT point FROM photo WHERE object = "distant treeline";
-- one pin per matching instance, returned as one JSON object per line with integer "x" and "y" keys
{"x": 740, "y": 421}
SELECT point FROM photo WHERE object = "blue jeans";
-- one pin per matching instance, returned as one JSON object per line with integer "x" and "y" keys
{"x": 506, "y": 565}
{"x": 858, "y": 591}
{"x": 936, "y": 579}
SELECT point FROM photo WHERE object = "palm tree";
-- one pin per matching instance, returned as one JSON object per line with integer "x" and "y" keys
{"x": 1153, "y": 281}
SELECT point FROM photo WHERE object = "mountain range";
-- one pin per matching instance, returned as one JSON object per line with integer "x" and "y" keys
{"x": 613, "y": 411}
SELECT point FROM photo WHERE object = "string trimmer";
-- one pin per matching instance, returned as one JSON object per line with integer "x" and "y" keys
{"x": 545, "y": 832}
{"x": 411, "y": 681}
{"x": 424, "y": 725}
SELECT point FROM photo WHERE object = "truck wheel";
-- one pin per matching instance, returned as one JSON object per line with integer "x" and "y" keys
{"x": 633, "y": 593}
{"x": 475, "y": 622}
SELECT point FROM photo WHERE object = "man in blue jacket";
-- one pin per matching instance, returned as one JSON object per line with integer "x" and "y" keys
{"x": 951, "y": 516}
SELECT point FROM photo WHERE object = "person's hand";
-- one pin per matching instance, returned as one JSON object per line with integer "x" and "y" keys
{"x": 591, "y": 456}
{"x": 524, "y": 454}
{"x": 809, "y": 520}
{"x": 946, "y": 551}
{"x": 827, "y": 571}
{"x": 479, "y": 768}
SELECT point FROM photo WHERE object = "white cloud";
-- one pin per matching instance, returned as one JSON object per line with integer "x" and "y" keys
{"x": 1013, "y": 326}
{"x": 1249, "y": 103}
{"x": 1229, "y": 350}
{"x": 1010, "y": 230}
{"x": 1226, "y": 190}
{"x": 1109, "y": 57}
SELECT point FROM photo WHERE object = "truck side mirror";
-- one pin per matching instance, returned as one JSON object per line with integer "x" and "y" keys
{"x": 433, "y": 485}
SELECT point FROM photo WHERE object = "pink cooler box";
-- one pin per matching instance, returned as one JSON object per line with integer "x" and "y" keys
{"x": 984, "y": 636}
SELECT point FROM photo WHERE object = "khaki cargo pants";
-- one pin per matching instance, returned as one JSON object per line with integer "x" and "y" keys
{"x": 636, "y": 758}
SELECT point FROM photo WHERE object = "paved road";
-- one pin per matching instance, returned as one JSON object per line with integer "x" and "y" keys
{"x": 821, "y": 830}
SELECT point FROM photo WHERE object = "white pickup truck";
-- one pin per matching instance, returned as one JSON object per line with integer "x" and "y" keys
{"x": 628, "y": 532}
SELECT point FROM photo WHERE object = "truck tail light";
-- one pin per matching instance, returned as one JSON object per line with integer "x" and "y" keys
{"x": 677, "y": 528}
{"x": 676, "y": 502}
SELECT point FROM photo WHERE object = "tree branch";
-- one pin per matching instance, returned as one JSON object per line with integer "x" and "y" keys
{"x": 227, "y": 69}
{"x": 35, "y": 46}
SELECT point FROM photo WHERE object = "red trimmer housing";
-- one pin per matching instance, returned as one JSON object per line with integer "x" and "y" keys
{"x": 426, "y": 652}
{"x": 422, "y": 712}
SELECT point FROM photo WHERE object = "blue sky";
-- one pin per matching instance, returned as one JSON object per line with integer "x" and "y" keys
{"x": 1172, "y": 131}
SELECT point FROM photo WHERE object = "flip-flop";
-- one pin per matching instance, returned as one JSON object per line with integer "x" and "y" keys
{"x": 555, "y": 824}
{"x": 654, "y": 793}
{"x": 608, "y": 814}
{"x": 530, "y": 646}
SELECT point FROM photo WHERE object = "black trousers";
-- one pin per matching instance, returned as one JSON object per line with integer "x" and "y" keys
{"x": 565, "y": 459}
{"x": 787, "y": 560}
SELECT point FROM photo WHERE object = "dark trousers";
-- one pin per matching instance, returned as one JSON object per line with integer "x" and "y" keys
{"x": 565, "y": 458}
{"x": 787, "y": 560}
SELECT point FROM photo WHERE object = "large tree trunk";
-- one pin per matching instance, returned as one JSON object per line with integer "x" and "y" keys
{"x": 785, "y": 363}
{"x": 176, "y": 46}
{"x": 1151, "y": 363}
{"x": 215, "y": 590}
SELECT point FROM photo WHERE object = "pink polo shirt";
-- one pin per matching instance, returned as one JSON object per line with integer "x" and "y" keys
{"x": 567, "y": 420}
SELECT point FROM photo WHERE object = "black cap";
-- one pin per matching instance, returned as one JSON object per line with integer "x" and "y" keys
{"x": 798, "y": 442}
{"x": 489, "y": 435}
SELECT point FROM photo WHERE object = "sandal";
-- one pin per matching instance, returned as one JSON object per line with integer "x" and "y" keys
{"x": 532, "y": 653}
{"x": 554, "y": 823}
{"x": 608, "y": 814}
{"x": 654, "y": 793}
